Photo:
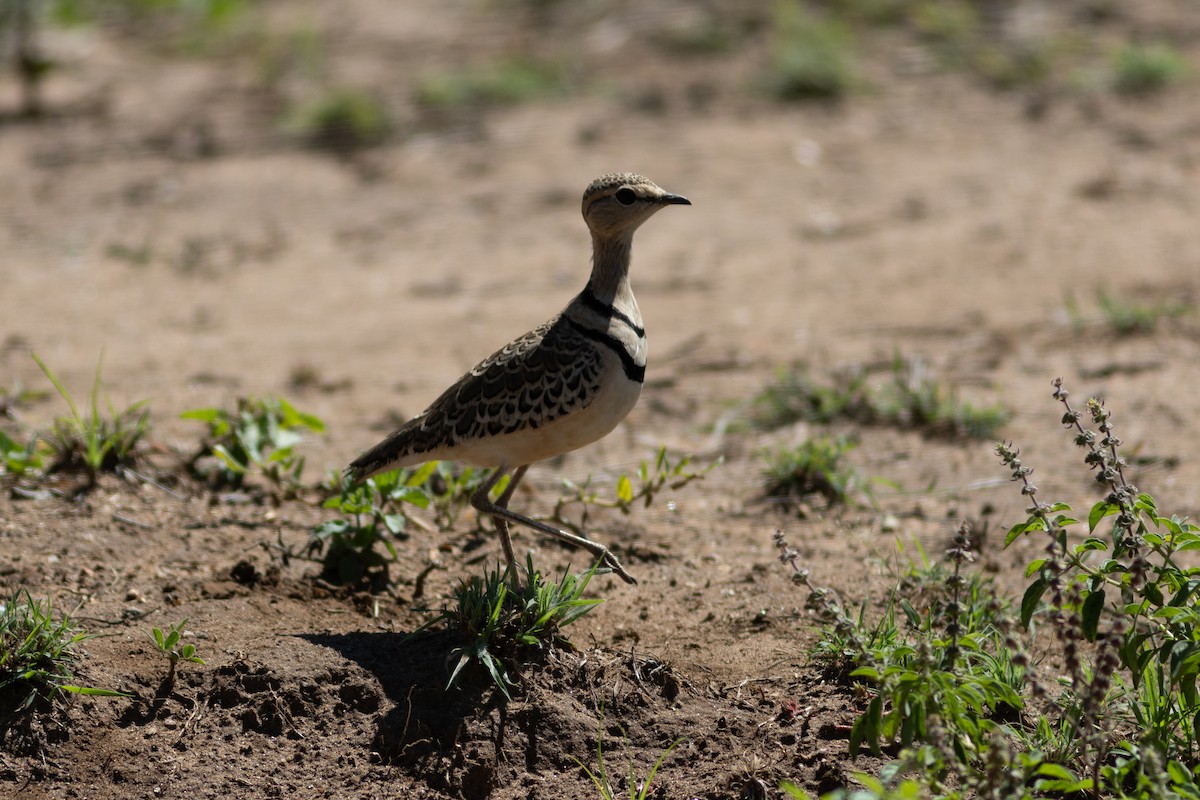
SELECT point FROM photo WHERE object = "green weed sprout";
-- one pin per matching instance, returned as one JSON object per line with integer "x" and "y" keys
{"x": 652, "y": 478}
{"x": 167, "y": 643}
{"x": 258, "y": 435}
{"x": 373, "y": 512}
{"x": 638, "y": 790}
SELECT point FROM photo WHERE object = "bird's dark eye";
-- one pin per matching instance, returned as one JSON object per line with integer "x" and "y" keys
{"x": 626, "y": 196}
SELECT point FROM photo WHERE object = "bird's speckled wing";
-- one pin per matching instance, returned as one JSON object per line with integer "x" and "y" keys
{"x": 534, "y": 380}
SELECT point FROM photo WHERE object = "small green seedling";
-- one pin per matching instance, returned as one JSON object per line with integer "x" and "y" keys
{"x": 167, "y": 643}
{"x": 652, "y": 478}
{"x": 638, "y": 790}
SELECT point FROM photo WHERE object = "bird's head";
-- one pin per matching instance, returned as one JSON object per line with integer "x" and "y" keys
{"x": 618, "y": 203}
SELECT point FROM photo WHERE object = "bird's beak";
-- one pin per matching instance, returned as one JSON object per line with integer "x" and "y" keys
{"x": 674, "y": 200}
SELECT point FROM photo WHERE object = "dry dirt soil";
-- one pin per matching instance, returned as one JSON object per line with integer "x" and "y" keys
{"x": 160, "y": 217}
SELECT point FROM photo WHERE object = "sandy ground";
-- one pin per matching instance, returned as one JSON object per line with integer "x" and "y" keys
{"x": 163, "y": 221}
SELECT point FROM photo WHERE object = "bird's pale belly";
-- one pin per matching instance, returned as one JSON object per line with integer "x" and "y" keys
{"x": 615, "y": 398}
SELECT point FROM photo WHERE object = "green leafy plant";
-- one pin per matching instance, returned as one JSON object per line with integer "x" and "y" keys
{"x": 1111, "y": 706}
{"x": 38, "y": 655}
{"x": 1147, "y": 68}
{"x": 373, "y": 512}
{"x": 503, "y": 623}
{"x": 1130, "y": 594}
{"x": 946, "y": 660}
{"x": 168, "y": 643}
{"x": 258, "y": 436}
{"x": 638, "y": 790}
{"x": 94, "y": 443}
{"x": 652, "y": 478}
{"x": 16, "y": 459}
{"x": 376, "y": 511}
{"x": 817, "y": 466}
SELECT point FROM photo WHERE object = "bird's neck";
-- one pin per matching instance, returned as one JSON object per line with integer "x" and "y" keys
{"x": 610, "y": 269}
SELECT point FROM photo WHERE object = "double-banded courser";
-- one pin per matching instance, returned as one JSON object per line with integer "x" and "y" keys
{"x": 559, "y": 387}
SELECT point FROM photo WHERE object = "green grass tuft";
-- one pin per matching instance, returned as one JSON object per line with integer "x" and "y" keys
{"x": 813, "y": 56}
{"x": 504, "y": 83}
{"x": 502, "y": 624}
{"x": 94, "y": 443}
{"x": 342, "y": 121}
{"x": 38, "y": 655}
{"x": 1139, "y": 69}
{"x": 818, "y": 467}
{"x": 911, "y": 397}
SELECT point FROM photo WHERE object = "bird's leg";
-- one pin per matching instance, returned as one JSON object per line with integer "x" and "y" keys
{"x": 481, "y": 501}
{"x": 503, "y": 515}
